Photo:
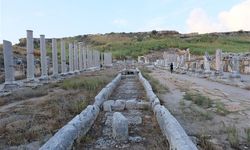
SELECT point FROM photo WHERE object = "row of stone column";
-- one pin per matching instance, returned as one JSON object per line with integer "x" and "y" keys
{"x": 80, "y": 58}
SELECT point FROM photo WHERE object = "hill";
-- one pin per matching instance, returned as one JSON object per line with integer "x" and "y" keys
{"x": 133, "y": 44}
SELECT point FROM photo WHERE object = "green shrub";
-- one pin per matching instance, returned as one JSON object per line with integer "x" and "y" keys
{"x": 220, "y": 109}
{"x": 233, "y": 136}
{"x": 198, "y": 99}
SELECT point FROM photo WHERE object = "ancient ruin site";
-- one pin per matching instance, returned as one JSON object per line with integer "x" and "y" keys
{"x": 129, "y": 75}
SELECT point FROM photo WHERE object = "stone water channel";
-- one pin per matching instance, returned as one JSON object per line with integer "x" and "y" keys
{"x": 129, "y": 98}
{"x": 126, "y": 114}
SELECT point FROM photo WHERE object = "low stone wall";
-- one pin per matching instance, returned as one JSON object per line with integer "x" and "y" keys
{"x": 170, "y": 127}
{"x": 106, "y": 92}
{"x": 81, "y": 123}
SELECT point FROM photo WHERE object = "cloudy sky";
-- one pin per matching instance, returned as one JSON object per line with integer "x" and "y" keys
{"x": 60, "y": 18}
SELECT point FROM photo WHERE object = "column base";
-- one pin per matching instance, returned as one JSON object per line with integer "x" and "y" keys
{"x": 234, "y": 74}
{"x": 10, "y": 86}
{"x": 42, "y": 78}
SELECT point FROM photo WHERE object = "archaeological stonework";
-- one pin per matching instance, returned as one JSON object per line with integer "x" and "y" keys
{"x": 42, "y": 69}
{"x": 216, "y": 64}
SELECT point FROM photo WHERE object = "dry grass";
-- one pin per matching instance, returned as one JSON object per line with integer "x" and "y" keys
{"x": 233, "y": 137}
{"x": 40, "y": 119}
{"x": 247, "y": 131}
{"x": 220, "y": 109}
{"x": 158, "y": 88}
{"x": 198, "y": 99}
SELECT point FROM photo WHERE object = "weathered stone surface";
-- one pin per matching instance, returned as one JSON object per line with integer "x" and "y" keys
{"x": 88, "y": 117}
{"x": 119, "y": 127}
{"x": 134, "y": 120}
{"x": 63, "y": 139}
{"x": 136, "y": 139}
{"x": 105, "y": 92}
{"x": 107, "y": 105}
{"x": 30, "y": 56}
{"x": 155, "y": 102}
{"x": 101, "y": 97}
{"x": 175, "y": 134}
{"x": 54, "y": 57}
{"x": 119, "y": 105}
{"x": 131, "y": 104}
{"x": 143, "y": 105}
{"x": 78, "y": 126}
{"x": 151, "y": 96}
{"x": 170, "y": 127}
{"x": 8, "y": 63}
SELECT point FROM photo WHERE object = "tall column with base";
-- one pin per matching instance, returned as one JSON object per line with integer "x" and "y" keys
{"x": 71, "y": 60}
{"x": 218, "y": 63}
{"x": 76, "y": 65}
{"x": 80, "y": 44}
{"x": 84, "y": 57}
{"x": 30, "y": 56}
{"x": 235, "y": 67}
{"x": 54, "y": 57}
{"x": 63, "y": 58}
{"x": 44, "y": 74}
{"x": 8, "y": 66}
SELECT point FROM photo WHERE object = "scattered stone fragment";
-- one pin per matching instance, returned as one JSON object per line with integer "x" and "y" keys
{"x": 120, "y": 127}
{"x": 107, "y": 105}
{"x": 119, "y": 105}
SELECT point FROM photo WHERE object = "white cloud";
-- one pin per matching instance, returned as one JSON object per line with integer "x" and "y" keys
{"x": 199, "y": 21}
{"x": 120, "y": 22}
{"x": 236, "y": 18}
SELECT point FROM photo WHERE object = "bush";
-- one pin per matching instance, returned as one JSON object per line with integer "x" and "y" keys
{"x": 90, "y": 83}
{"x": 232, "y": 136}
{"x": 198, "y": 99}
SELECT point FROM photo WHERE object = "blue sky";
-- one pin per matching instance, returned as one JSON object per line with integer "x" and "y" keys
{"x": 61, "y": 18}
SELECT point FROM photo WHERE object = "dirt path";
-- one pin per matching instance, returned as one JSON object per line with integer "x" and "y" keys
{"x": 144, "y": 132}
{"x": 236, "y": 101}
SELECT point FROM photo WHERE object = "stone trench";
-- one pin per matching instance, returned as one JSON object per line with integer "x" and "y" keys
{"x": 127, "y": 105}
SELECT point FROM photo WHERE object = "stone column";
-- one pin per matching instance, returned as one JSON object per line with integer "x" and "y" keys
{"x": 63, "y": 58}
{"x": 206, "y": 65}
{"x": 54, "y": 57}
{"x": 76, "y": 65}
{"x": 188, "y": 55}
{"x": 30, "y": 56}
{"x": 89, "y": 56}
{"x": 235, "y": 67}
{"x": 8, "y": 64}
{"x": 218, "y": 62}
{"x": 98, "y": 59}
{"x": 84, "y": 58}
{"x": 80, "y": 56}
{"x": 71, "y": 60}
{"x": 44, "y": 67}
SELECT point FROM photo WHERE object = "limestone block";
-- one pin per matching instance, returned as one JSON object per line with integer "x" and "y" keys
{"x": 76, "y": 122}
{"x": 131, "y": 104}
{"x": 119, "y": 105}
{"x": 143, "y": 105}
{"x": 134, "y": 120}
{"x": 170, "y": 127}
{"x": 119, "y": 127}
{"x": 155, "y": 102}
{"x": 151, "y": 96}
{"x": 63, "y": 139}
{"x": 156, "y": 108}
{"x": 88, "y": 117}
{"x": 107, "y": 105}
{"x": 100, "y": 97}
